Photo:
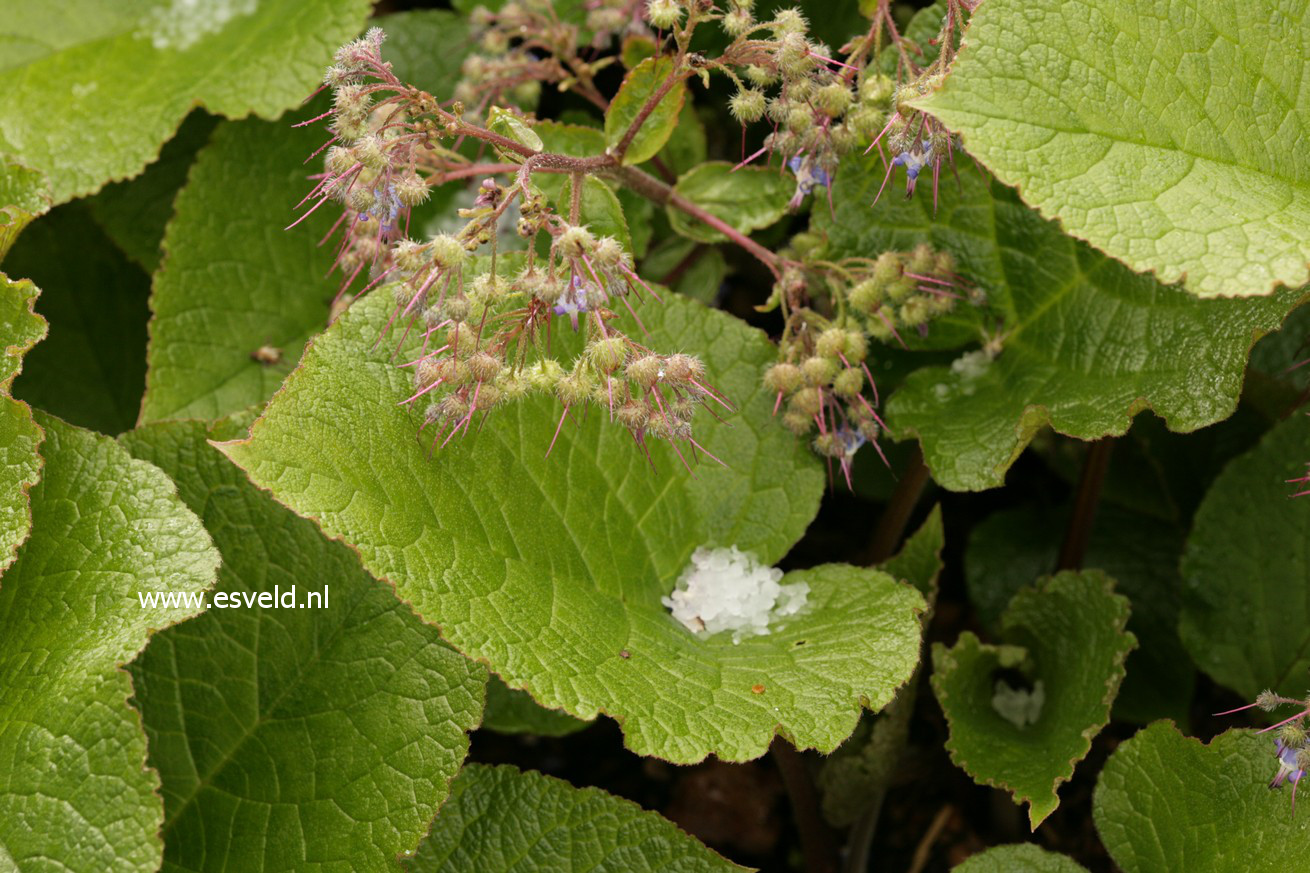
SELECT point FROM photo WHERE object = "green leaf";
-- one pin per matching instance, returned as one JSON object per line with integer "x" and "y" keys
{"x": 20, "y": 436}
{"x": 639, "y": 86}
{"x": 1019, "y": 858}
{"x": 1067, "y": 633}
{"x": 234, "y": 279}
{"x": 95, "y": 89}
{"x": 427, "y": 47}
{"x": 1172, "y": 140}
{"x": 75, "y": 792}
{"x": 1169, "y": 802}
{"x": 747, "y": 199}
{"x": 515, "y": 712}
{"x": 23, "y": 196}
{"x": 599, "y": 209}
{"x": 687, "y": 146}
{"x": 134, "y": 213}
{"x": 1244, "y": 620}
{"x": 1009, "y": 548}
{"x": 1085, "y": 343}
{"x": 551, "y": 570}
{"x": 91, "y": 369}
{"x": 511, "y": 125}
{"x": 353, "y": 714}
{"x": 500, "y": 819}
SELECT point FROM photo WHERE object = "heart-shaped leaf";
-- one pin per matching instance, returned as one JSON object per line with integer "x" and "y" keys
{"x": 75, "y": 792}
{"x": 350, "y": 709}
{"x": 551, "y": 570}
{"x": 1173, "y": 140}
{"x": 1066, "y": 637}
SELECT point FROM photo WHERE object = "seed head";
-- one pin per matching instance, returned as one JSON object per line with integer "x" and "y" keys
{"x": 683, "y": 368}
{"x": 747, "y": 105}
{"x": 819, "y": 371}
{"x": 645, "y": 370}
{"x": 446, "y": 251}
{"x": 410, "y": 188}
{"x": 663, "y": 14}
{"x": 607, "y": 354}
{"x": 783, "y": 378}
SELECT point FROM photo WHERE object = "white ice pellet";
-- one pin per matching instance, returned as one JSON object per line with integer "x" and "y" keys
{"x": 183, "y": 23}
{"x": 727, "y": 589}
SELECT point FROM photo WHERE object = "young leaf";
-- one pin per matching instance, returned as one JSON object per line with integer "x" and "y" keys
{"x": 1085, "y": 343}
{"x": 354, "y": 714}
{"x": 75, "y": 792}
{"x": 1066, "y": 636}
{"x": 1244, "y": 620}
{"x": 1019, "y": 858}
{"x": 551, "y": 570}
{"x": 234, "y": 280}
{"x": 1008, "y": 548}
{"x": 639, "y": 87}
{"x": 748, "y": 199}
{"x": 500, "y": 819}
{"x": 20, "y": 436}
{"x": 1173, "y": 140}
{"x": 91, "y": 96}
{"x": 1169, "y": 802}
{"x": 91, "y": 369}
{"x": 24, "y": 195}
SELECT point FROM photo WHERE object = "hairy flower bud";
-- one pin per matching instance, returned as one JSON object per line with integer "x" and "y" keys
{"x": 866, "y": 296}
{"x": 663, "y": 14}
{"x": 339, "y": 160}
{"x": 607, "y": 355}
{"x": 783, "y": 378}
{"x": 575, "y": 242}
{"x": 747, "y": 106}
{"x": 645, "y": 371}
{"x": 410, "y": 188}
{"x": 457, "y": 309}
{"x": 830, "y": 343}
{"x": 483, "y": 366}
{"x": 632, "y": 415}
{"x": 848, "y": 383}
{"x": 683, "y": 368}
{"x": 760, "y": 76}
{"x": 788, "y": 21}
{"x": 834, "y": 99}
{"x": 446, "y": 251}
{"x": 819, "y": 371}
{"x": 807, "y": 400}
{"x": 370, "y": 152}
{"x": 737, "y": 21}
{"x": 608, "y": 252}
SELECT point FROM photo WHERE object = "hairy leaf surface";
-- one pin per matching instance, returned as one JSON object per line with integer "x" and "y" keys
{"x": 89, "y": 91}
{"x": 23, "y": 196}
{"x": 500, "y": 819}
{"x": 1085, "y": 344}
{"x": 1172, "y": 134}
{"x": 353, "y": 715}
{"x": 75, "y": 793}
{"x": 638, "y": 88}
{"x": 551, "y": 570}
{"x": 20, "y": 436}
{"x": 1168, "y": 802}
{"x": 748, "y": 199}
{"x": 1020, "y": 858}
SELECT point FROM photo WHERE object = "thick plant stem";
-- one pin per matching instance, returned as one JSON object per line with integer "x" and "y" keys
{"x": 1076, "y": 538}
{"x": 818, "y": 844}
{"x": 891, "y": 525}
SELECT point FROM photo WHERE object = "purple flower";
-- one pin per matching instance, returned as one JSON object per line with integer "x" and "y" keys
{"x": 573, "y": 301}
{"x": 808, "y": 177}
{"x": 850, "y": 440}
{"x": 1288, "y": 770}
{"x": 913, "y": 162}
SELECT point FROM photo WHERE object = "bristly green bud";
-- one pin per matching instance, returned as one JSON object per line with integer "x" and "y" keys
{"x": 783, "y": 378}
{"x": 831, "y": 343}
{"x": 922, "y": 259}
{"x": 747, "y": 106}
{"x": 914, "y": 312}
{"x": 544, "y": 375}
{"x": 788, "y": 21}
{"x": 549, "y": 290}
{"x": 428, "y": 371}
{"x": 1293, "y": 735}
{"x": 857, "y": 347}
{"x": 446, "y": 251}
{"x": 878, "y": 90}
{"x": 575, "y": 388}
{"x": 807, "y": 401}
{"x": 487, "y": 395}
{"x": 645, "y": 371}
{"x": 607, "y": 354}
{"x": 866, "y": 296}
{"x": 575, "y": 242}
{"x": 827, "y": 446}
{"x": 793, "y": 55}
{"x": 338, "y": 160}
{"x": 900, "y": 289}
{"x": 819, "y": 371}
{"x": 833, "y": 99}
{"x": 452, "y": 408}
{"x": 409, "y": 255}
{"x": 663, "y": 14}
{"x": 457, "y": 309}
{"x": 737, "y": 21}
{"x": 483, "y": 366}
{"x": 369, "y": 151}
{"x": 632, "y": 415}
{"x": 799, "y": 118}
{"x": 760, "y": 76}
{"x": 411, "y": 190}
{"x": 848, "y": 384}
{"x": 608, "y": 252}
{"x": 797, "y": 422}
{"x": 887, "y": 268}
{"x": 1267, "y": 700}
{"x": 878, "y": 329}
{"x": 681, "y": 368}
{"x": 361, "y": 199}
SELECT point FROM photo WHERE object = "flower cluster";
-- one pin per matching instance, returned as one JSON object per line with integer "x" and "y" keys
{"x": 905, "y": 291}
{"x": 1292, "y": 742}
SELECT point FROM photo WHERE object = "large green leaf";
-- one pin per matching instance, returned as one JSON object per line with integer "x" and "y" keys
{"x": 91, "y": 369}
{"x": 1085, "y": 343}
{"x": 1171, "y": 135}
{"x": 1169, "y": 802}
{"x": 353, "y": 714}
{"x": 510, "y": 711}
{"x": 500, "y": 819}
{"x": 20, "y": 436}
{"x": 1009, "y": 548}
{"x": 233, "y": 280}
{"x": 638, "y": 88}
{"x": 1066, "y": 633}
{"x": 89, "y": 90}
{"x": 1244, "y": 619}
{"x": 551, "y": 570}
{"x": 75, "y": 793}
{"x": 747, "y": 199}
{"x": 23, "y": 196}
{"x": 1019, "y": 858}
